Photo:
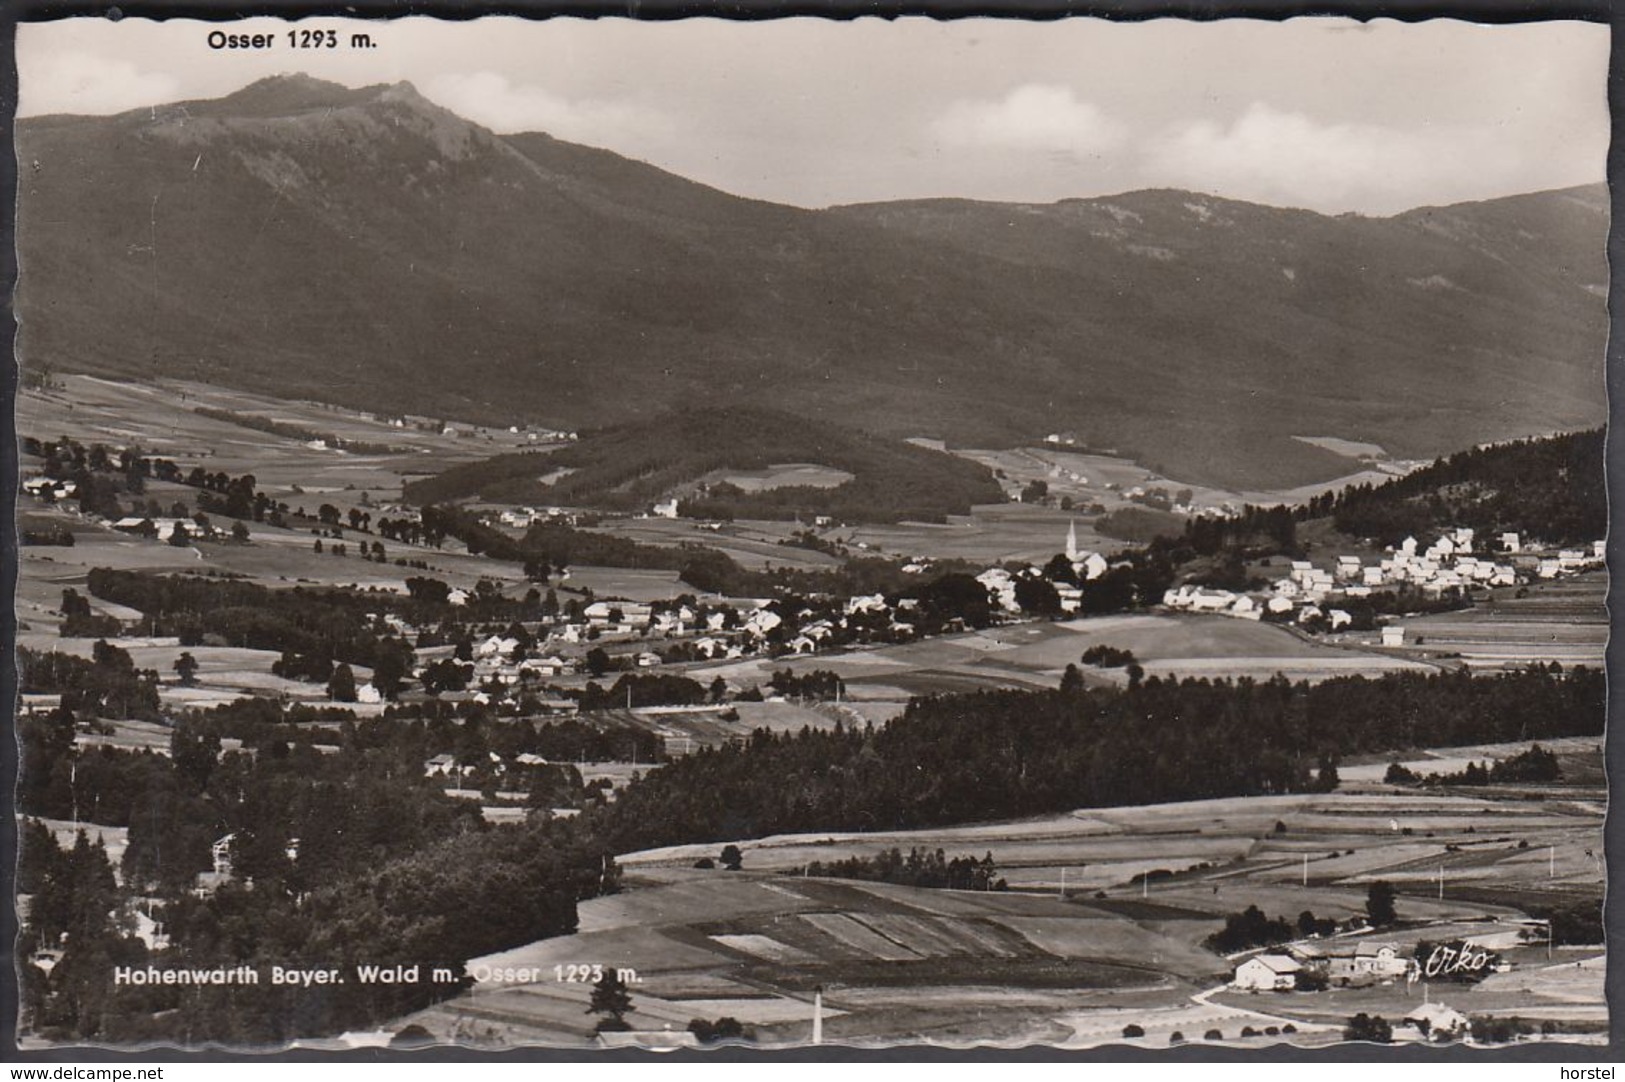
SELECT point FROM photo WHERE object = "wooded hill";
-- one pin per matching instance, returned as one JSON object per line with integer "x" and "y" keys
{"x": 629, "y": 467}
{"x": 1553, "y": 490}
{"x": 1550, "y": 490}
{"x": 521, "y": 279}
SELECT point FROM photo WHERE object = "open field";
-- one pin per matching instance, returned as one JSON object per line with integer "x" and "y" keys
{"x": 991, "y": 534}
{"x": 1026, "y": 966}
{"x": 272, "y": 557}
{"x": 753, "y": 544}
{"x": 756, "y": 945}
{"x": 782, "y": 475}
{"x": 161, "y": 417}
{"x": 1033, "y": 655}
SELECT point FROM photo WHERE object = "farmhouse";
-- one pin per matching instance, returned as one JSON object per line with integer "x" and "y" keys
{"x": 496, "y": 646}
{"x": 1267, "y": 973}
{"x": 1435, "y": 1021}
{"x": 1368, "y": 961}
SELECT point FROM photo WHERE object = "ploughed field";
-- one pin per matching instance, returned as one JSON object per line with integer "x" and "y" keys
{"x": 1030, "y": 965}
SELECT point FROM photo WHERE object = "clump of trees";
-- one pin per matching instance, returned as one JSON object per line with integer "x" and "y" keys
{"x": 920, "y": 868}
{"x": 820, "y": 685}
{"x": 1251, "y": 928}
{"x": 1368, "y": 1027}
{"x": 1107, "y": 657}
{"x": 1379, "y": 904}
{"x": 726, "y": 1028}
{"x": 1538, "y": 765}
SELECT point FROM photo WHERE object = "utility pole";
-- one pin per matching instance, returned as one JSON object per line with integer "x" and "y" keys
{"x": 1306, "y": 869}
{"x": 1551, "y": 862}
{"x": 1063, "y": 884}
{"x": 1441, "y": 882}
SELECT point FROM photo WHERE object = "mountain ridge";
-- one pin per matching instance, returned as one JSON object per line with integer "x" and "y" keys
{"x": 372, "y": 248}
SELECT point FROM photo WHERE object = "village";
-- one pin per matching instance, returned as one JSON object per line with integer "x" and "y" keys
{"x": 533, "y": 693}
{"x": 582, "y": 635}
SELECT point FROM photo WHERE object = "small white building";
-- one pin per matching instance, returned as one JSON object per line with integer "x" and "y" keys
{"x": 1267, "y": 973}
{"x": 1434, "y": 1021}
{"x": 1393, "y": 635}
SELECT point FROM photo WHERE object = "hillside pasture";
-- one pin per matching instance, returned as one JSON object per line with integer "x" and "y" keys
{"x": 1034, "y": 654}
{"x": 161, "y": 418}
{"x": 991, "y": 534}
{"x": 753, "y": 544}
{"x": 781, "y": 475}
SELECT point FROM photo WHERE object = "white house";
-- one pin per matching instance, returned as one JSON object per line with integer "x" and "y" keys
{"x": 1393, "y": 635}
{"x": 1380, "y": 960}
{"x": 762, "y": 621}
{"x": 876, "y": 602}
{"x": 1435, "y": 1020}
{"x": 1267, "y": 973}
{"x": 496, "y": 646}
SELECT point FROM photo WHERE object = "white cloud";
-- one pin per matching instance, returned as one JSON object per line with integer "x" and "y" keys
{"x": 1280, "y": 157}
{"x": 75, "y": 82}
{"x": 1039, "y": 118}
{"x": 490, "y": 99}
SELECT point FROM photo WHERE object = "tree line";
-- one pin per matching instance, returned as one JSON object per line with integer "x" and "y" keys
{"x": 1006, "y": 754}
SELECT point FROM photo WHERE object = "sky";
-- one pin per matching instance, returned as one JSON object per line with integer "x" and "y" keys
{"x": 1327, "y": 114}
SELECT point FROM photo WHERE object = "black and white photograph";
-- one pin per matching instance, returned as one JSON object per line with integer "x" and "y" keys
{"x": 976, "y": 534}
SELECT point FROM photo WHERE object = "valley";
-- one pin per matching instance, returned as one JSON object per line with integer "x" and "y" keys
{"x": 632, "y": 615}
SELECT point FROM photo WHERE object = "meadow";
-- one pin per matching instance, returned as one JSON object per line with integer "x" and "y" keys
{"x": 1073, "y": 966}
